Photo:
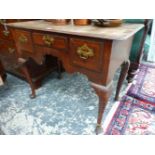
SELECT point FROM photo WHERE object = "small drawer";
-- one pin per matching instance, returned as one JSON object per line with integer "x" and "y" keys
{"x": 8, "y": 55}
{"x": 49, "y": 40}
{"x": 86, "y": 54}
{"x": 5, "y": 34}
{"x": 7, "y": 48}
{"x": 23, "y": 41}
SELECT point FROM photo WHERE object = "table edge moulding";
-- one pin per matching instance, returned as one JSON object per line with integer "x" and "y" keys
{"x": 94, "y": 51}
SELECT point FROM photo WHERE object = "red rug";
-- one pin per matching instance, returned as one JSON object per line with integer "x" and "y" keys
{"x": 131, "y": 117}
{"x": 143, "y": 87}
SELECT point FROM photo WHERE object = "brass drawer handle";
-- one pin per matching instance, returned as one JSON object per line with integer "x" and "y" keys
{"x": 22, "y": 39}
{"x": 6, "y": 33}
{"x": 48, "y": 40}
{"x": 11, "y": 50}
{"x": 85, "y": 52}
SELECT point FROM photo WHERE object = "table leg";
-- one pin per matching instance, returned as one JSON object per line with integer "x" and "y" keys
{"x": 3, "y": 76}
{"x": 133, "y": 69}
{"x": 2, "y": 72}
{"x": 59, "y": 69}
{"x": 29, "y": 79}
{"x": 22, "y": 63}
{"x": 124, "y": 70}
{"x": 103, "y": 94}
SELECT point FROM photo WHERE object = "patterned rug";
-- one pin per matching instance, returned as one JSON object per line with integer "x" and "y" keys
{"x": 60, "y": 107}
{"x": 132, "y": 117}
{"x": 143, "y": 87}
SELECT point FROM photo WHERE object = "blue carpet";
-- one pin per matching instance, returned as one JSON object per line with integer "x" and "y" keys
{"x": 66, "y": 106}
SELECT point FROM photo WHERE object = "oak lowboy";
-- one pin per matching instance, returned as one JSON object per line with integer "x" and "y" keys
{"x": 94, "y": 51}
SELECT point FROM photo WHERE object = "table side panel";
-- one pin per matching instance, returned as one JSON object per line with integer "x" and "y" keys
{"x": 120, "y": 53}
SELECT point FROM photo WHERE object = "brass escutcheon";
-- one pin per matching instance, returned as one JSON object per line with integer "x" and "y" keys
{"x": 11, "y": 50}
{"x": 48, "y": 40}
{"x": 6, "y": 33}
{"x": 22, "y": 38}
{"x": 85, "y": 52}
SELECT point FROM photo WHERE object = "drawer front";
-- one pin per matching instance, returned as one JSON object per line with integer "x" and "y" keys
{"x": 8, "y": 55}
{"x": 23, "y": 41}
{"x": 49, "y": 40}
{"x": 5, "y": 34}
{"x": 86, "y": 54}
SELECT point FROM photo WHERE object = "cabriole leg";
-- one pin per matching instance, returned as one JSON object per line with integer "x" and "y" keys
{"x": 103, "y": 94}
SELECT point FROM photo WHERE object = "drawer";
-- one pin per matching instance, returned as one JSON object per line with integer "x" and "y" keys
{"x": 8, "y": 55}
{"x": 23, "y": 41}
{"x": 7, "y": 48}
{"x": 50, "y": 40}
{"x": 5, "y": 34}
{"x": 86, "y": 54}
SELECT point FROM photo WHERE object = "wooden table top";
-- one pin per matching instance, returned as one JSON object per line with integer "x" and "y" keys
{"x": 113, "y": 33}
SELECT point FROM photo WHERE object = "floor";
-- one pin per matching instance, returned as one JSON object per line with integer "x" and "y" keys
{"x": 66, "y": 106}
